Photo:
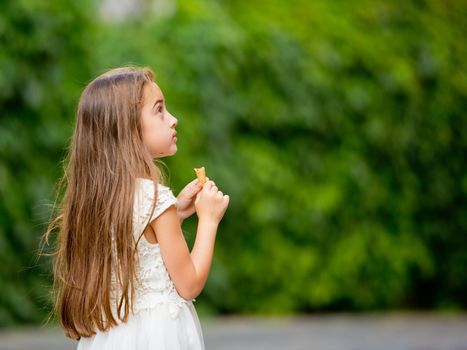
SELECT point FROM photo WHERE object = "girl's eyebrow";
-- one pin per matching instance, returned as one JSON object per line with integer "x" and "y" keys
{"x": 157, "y": 101}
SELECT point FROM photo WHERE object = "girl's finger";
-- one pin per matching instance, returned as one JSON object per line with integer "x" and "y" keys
{"x": 195, "y": 184}
{"x": 211, "y": 183}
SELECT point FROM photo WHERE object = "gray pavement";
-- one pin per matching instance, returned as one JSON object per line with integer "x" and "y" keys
{"x": 389, "y": 331}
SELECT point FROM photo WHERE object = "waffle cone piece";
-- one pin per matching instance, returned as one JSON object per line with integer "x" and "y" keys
{"x": 201, "y": 174}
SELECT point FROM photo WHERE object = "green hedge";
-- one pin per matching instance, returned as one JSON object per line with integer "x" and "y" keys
{"x": 45, "y": 61}
{"x": 338, "y": 131}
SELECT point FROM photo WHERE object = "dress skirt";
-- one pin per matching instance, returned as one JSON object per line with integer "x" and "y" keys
{"x": 165, "y": 326}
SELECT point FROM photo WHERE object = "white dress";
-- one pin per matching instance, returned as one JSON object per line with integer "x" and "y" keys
{"x": 162, "y": 319}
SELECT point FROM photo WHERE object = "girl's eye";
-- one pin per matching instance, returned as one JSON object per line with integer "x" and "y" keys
{"x": 159, "y": 110}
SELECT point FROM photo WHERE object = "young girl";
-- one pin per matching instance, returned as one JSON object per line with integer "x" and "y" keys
{"x": 123, "y": 274}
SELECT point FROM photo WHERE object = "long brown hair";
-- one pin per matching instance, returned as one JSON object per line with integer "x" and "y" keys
{"x": 104, "y": 159}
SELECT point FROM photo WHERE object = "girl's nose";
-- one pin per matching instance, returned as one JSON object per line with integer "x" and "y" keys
{"x": 174, "y": 121}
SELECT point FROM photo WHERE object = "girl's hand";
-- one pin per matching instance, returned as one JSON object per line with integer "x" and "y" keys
{"x": 211, "y": 203}
{"x": 186, "y": 200}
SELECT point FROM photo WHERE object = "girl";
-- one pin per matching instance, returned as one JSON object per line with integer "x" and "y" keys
{"x": 124, "y": 277}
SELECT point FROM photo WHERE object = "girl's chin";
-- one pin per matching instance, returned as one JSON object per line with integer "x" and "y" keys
{"x": 172, "y": 151}
{"x": 169, "y": 153}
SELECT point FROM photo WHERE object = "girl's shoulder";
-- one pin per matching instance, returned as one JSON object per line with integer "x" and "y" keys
{"x": 143, "y": 185}
{"x": 144, "y": 199}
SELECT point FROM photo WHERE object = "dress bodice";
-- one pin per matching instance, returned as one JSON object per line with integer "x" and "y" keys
{"x": 153, "y": 283}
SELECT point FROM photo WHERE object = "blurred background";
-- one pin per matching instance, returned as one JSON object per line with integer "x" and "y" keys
{"x": 338, "y": 129}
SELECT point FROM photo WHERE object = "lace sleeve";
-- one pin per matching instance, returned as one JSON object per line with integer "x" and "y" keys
{"x": 165, "y": 199}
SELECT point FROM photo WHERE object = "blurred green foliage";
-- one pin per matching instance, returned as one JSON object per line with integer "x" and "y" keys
{"x": 337, "y": 129}
{"x": 44, "y": 60}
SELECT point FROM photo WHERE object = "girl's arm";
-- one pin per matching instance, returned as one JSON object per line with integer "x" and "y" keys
{"x": 188, "y": 271}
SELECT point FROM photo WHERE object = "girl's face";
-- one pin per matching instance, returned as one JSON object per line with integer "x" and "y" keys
{"x": 157, "y": 124}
